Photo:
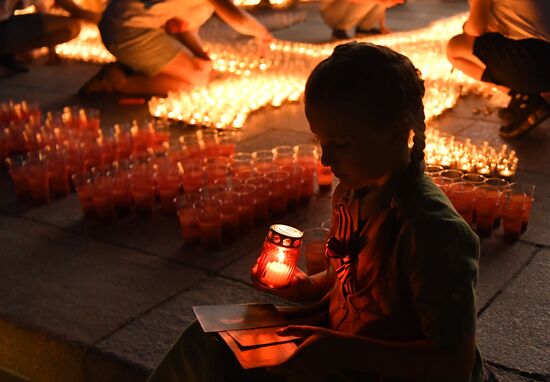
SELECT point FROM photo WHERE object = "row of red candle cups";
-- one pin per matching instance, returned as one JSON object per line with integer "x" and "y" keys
{"x": 486, "y": 202}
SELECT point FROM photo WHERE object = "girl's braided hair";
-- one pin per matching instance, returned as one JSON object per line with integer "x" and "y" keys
{"x": 375, "y": 87}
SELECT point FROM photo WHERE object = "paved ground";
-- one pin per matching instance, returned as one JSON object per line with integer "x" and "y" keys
{"x": 84, "y": 301}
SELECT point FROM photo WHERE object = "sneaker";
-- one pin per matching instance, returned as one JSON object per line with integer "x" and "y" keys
{"x": 529, "y": 113}
{"x": 367, "y": 32}
{"x": 340, "y": 34}
{"x": 8, "y": 61}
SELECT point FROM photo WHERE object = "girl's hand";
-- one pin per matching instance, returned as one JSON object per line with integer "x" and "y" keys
{"x": 295, "y": 291}
{"x": 309, "y": 360}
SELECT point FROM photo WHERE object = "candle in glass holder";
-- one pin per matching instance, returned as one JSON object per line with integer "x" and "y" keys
{"x": 486, "y": 201}
{"x": 279, "y": 256}
{"x": 462, "y": 196}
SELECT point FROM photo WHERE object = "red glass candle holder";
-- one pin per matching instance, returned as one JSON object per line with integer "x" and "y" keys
{"x": 210, "y": 223}
{"x": 512, "y": 210}
{"x": 455, "y": 175}
{"x": 283, "y": 155}
{"x": 324, "y": 177}
{"x": 280, "y": 253}
{"x": 246, "y": 194}
{"x": 230, "y": 214}
{"x": 502, "y": 185}
{"x": 194, "y": 176}
{"x": 296, "y": 173}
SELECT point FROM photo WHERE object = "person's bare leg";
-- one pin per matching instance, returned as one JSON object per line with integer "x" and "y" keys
{"x": 460, "y": 52}
{"x": 31, "y": 31}
{"x": 183, "y": 72}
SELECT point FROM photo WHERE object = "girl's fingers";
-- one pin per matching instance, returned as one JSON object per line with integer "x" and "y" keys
{"x": 298, "y": 331}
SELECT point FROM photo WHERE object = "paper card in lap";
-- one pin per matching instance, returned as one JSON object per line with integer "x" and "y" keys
{"x": 258, "y": 337}
{"x": 216, "y": 318}
{"x": 259, "y": 356}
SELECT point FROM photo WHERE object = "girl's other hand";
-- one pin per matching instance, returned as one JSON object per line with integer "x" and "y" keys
{"x": 306, "y": 363}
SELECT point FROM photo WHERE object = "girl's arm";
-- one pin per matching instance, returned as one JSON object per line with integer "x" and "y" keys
{"x": 78, "y": 12}
{"x": 240, "y": 20}
{"x": 476, "y": 25}
{"x": 420, "y": 360}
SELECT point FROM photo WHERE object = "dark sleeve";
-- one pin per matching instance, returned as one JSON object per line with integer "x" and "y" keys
{"x": 441, "y": 270}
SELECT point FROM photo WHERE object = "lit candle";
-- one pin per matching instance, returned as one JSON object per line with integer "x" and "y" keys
{"x": 276, "y": 274}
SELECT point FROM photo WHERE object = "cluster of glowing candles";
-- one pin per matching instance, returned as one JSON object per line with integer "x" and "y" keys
{"x": 278, "y": 75}
{"x": 43, "y": 152}
{"x": 486, "y": 202}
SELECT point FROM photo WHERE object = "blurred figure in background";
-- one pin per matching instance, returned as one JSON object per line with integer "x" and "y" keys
{"x": 507, "y": 43}
{"x": 21, "y": 33}
{"x": 157, "y": 44}
{"x": 362, "y": 15}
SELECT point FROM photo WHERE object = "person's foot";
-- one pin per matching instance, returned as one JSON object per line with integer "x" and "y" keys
{"x": 367, "y": 32}
{"x": 340, "y": 34}
{"x": 105, "y": 81}
{"x": 10, "y": 62}
{"x": 507, "y": 113}
{"x": 530, "y": 111}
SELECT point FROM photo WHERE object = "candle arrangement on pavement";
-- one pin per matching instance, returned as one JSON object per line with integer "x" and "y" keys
{"x": 486, "y": 203}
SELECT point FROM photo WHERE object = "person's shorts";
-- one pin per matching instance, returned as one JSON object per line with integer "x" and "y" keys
{"x": 143, "y": 50}
{"x": 520, "y": 65}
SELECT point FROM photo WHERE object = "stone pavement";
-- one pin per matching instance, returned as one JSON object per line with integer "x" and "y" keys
{"x": 89, "y": 301}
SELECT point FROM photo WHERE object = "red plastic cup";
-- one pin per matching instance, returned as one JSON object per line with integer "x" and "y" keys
{"x": 82, "y": 182}
{"x": 278, "y": 198}
{"x": 283, "y": 155}
{"x": 103, "y": 196}
{"x": 15, "y": 166}
{"x": 486, "y": 202}
{"x": 190, "y": 229}
{"x": 168, "y": 183}
{"x": 123, "y": 187}
{"x": 36, "y": 173}
{"x": 443, "y": 183}
{"x": 263, "y": 161}
{"x": 227, "y": 143}
{"x": 512, "y": 210}
{"x": 455, "y": 175}
{"x": 143, "y": 188}
{"x": 210, "y": 223}
{"x": 230, "y": 214}
{"x": 462, "y": 196}
{"x": 261, "y": 201}
{"x": 57, "y": 174}
{"x": 529, "y": 190}
{"x": 502, "y": 185}
{"x": 246, "y": 197}
{"x": 194, "y": 176}
{"x": 433, "y": 170}
{"x": 473, "y": 178}
{"x": 295, "y": 187}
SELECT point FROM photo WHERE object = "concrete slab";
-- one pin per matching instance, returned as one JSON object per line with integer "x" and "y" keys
{"x": 68, "y": 287}
{"x": 513, "y": 331}
{"x": 500, "y": 262}
{"x": 143, "y": 342}
{"x": 509, "y": 376}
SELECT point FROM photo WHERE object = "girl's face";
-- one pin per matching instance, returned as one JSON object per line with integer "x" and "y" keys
{"x": 358, "y": 155}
